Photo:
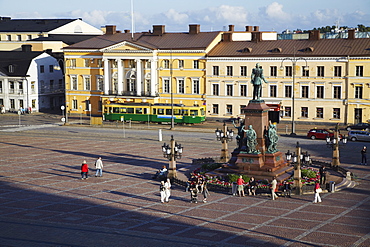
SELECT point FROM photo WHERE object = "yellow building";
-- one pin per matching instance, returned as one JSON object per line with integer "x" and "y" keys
{"x": 153, "y": 67}
{"x": 311, "y": 80}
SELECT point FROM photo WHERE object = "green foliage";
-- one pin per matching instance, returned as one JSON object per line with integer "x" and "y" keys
{"x": 211, "y": 167}
{"x": 234, "y": 177}
{"x": 308, "y": 173}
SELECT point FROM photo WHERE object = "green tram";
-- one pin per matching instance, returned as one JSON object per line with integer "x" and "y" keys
{"x": 158, "y": 113}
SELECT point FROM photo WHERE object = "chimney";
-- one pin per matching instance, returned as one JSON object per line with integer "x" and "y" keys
{"x": 256, "y": 28}
{"x": 194, "y": 29}
{"x": 231, "y": 28}
{"x": 227, "y": 37}
{"x": 314, "y": 35}
{"x": 110, "y": 29}
{"x": 158, "y": 29}
{"x": 256, "y": 36}
{"x": 126, "y": 31}
{"x": 26, "y": 48}
{"x": 351, "y": 34}
{"x": 248, "y": 28}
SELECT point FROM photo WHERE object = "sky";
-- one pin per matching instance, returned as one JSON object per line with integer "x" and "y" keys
{"x": 211, "y": 15}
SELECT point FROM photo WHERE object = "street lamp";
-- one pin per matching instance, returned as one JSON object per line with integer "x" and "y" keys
{"x": 224, "y": 135}
{"x": 306, "y": 68}
{"x": 334, "y": 143}
{"x": 171, "y": 87}
{"x": 172, "y": 152}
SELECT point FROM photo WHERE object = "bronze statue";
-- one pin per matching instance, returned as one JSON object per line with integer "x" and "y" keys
{"x": 273, "y": 138}
{"x": 240, "y": 137}
{"x": 251, "y": 138}
{"x": 256, "y": 79}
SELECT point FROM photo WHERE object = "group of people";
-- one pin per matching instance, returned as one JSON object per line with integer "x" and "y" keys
{"x": 98, "y": 167}
{"x": 197, "y": 186}
{"x": 241, "y": 184}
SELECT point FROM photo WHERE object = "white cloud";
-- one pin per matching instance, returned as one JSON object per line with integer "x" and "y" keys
{"x": 177, "y": 16}
{"x": 275, "y": 11}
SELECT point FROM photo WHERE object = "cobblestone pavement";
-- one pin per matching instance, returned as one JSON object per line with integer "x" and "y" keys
{"x": 44, "y": 203}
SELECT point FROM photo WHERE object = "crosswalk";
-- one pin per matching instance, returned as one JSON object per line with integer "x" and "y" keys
{"x": 16, "y": 128}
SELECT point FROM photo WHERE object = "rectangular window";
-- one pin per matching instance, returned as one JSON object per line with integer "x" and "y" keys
{"x": 74, "y": 105}
{"x": 21, "y": 105}
{"x": 196, "y": 87}
{"x": 360, "y": 71}
{"x": 243, "y": 90}
{"x": 288, "y": 91}
{"x": 33, "y": 103}
{"x": 215, "y": 109}
{"x": 196, "y": 64}
{"x": 320, "y": 71}
{"x": 87, "y": 105}
{"x": 166, "y": 86}
{"x": 336, "y": 113}
{"x": 166, "y": 64}
{"x": 60, "y": 84}
{"x": 273, "y": 70}
{"x": 42, "y": 68}
{"x": 42, "y": 86}
{"x": 74, "y": 82}
{"x": 87, "y": 62}
{"x": 287, "y": 111}
{"x": 181, "y": 86}
{"x": 288, "y": 71}
{"x": 215, "y": 89}
{"x": 51, "y": 85}
{"x": 358, "y": 92}
{"x": 242, "y": 107}
{"x": 320, "y": 92}
{"x": 304, "y": 92}
{"x": 337, "y": 71}
{"x": 273, "y": 91}
{"x": 337, "y": 92}
{"x": 216, "y": 70}
{"x": 100, "y": 83}
{"x": 229, "y": 70}
{"x": 9, "y": 38}
{"x": 243, "y": 71}
{"x": 181, "y": 64}
{"x": 319, "y": 112}
{"x": 11, "y": 86}
{"x": 51, "y": 68}
{"x": 87, "y": 83}
{"x": 12, "y": 103}
{"x": 29, "y": 37}
{"x": 305, "y": 71}
{"x": 73, "y": 63}
{"x": 100, "y": 63}
{"x": 229, "y": 90}
{"x": 1, "y": 87}
{"x": 229, "y": 109}
{"x": 304, "y": 112}
{"x": 19, "y": 37}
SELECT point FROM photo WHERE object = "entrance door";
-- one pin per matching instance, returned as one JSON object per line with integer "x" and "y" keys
{"x": 358, "y": 115}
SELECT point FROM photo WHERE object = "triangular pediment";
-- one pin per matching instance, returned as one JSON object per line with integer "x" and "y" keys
{"x": 125, "y": 46}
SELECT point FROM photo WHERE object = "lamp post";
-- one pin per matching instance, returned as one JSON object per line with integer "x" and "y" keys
{"x": 224, "y": 135}
{"x": 171, "y": 87}
{"x": 172, "y": 152}
{"x": 294, "y": 62}
{"x": 334, "y": 143}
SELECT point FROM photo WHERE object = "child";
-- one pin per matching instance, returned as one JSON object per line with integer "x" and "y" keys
{"x": 193, "y": 193}
{"x": 84, "y": 170}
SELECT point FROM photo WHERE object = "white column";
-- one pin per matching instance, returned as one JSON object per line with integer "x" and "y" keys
{"x": 138, "y": 77}
{"x": 153, "y": 77}
{"x": 106, "y": 76}
{"x": 120, "y": 76}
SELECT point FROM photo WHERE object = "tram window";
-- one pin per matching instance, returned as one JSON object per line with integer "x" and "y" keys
{"x": 193, "y": 112}
{"x": 130, "y": 110}
{"x": 154, "y": 111}
{"x": 122, "y": 110}
{"x": 105, "y": 109}
{"x": 176, "y": 111}
{"x": 202, "y": 112}
{"x": 139, "y": 110}
{"x": 115, "y": 109}
{"x": 160, "y": 111}
{"x": 185, "y": 112}
{"x": 168, "y": 112}
{"x": 145, "y": 110}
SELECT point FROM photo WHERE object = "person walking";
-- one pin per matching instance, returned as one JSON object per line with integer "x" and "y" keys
{"x": 240, "y": 183}
{"x": 99, "y": 167}
{"x": 273, "y": 189}
{"x": 252, "y": 187}
{"x": 167, "y": 190}
{"x": 363, "y": 156}
{"x": 84, "y": 170}
{"x": 204, "y": 191}
{"x": 322, "y": 172}
{"x": 162, "y": 191}
{"x": 317, "y": 192}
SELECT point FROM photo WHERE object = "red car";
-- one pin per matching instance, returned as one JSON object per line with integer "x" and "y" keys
{"x": 320, "y": 134}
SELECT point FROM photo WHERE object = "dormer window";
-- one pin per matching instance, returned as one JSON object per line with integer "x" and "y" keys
{"x": 308, "y": 49}
{"x": 247, "y": 50}
{"x": 277, "y": 50}
{"x": 11, "y": 68}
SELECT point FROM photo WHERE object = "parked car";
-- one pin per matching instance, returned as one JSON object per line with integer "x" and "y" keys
{"x": 359, "y": 126}
{"x": 320, "y": 134}
{"x": 359, "y": 135}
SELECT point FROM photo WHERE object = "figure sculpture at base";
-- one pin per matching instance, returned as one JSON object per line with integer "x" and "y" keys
{"x": 251, "y": 137}
{"x": 240, "y": 137}
{"x": 272, "y": 139}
